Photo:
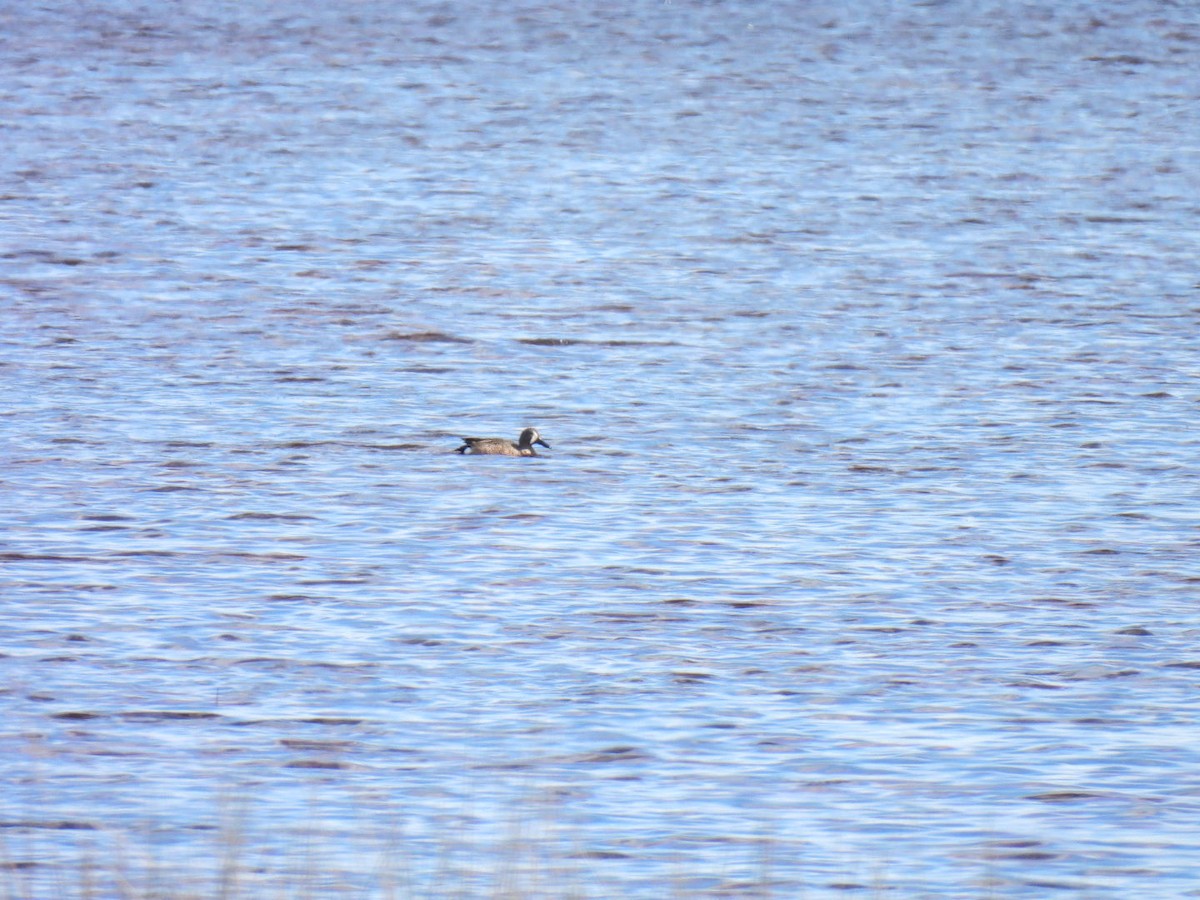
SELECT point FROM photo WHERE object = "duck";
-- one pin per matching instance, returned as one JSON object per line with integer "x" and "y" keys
{"x": 523, "y": 446}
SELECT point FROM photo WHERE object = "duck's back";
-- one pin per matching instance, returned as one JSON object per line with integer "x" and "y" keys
{"x": 492, "y": 447}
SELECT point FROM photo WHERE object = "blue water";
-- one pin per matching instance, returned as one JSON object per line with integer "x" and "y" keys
{"x": 864, "y": 560}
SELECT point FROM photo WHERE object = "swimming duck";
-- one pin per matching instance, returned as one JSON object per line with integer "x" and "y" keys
{"x": 523, "y": 446}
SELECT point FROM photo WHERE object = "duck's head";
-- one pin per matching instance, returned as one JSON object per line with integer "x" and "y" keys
{"x": 530, "y": 436}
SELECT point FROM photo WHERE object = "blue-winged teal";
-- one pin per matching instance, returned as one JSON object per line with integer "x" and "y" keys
{"x": 523, "y": 446}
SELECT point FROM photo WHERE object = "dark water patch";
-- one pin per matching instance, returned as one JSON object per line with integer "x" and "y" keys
{"x": 1026, "y": 856}
{"x": 303, "y": 445}
{"x": 316, "y": 764}
{"x": 14, "y": 556}
{"x": 427, "y": 337}
{"x": 1066, "y": 796}
{"x": 609, "y": 755}
{"x": 47, "y": 825}
{"x": 47, "y": 257}
{"x": 1020, "y": 276}
{"x": 513, "y": 766}
{"x": 1123, "y": 59}
{"x": 338, "y": 666}
{"x": 1016, "y": 844}
{"x": 265, "y": 662}
{"x": 1097, "y": 673}
{"x": 319, "y": 746}
{"x": 575, "y": 342}
{"x": 867, "y": 469}
{"x": 168, "y": 715}
{"x": 626, "y": 617}
{"x": 396, "y": 446}
{"x": 268, "y": 558}
{"x": 600, "y": 855}
{"x": 1077, "y": 888}
{"x": 1037, "y": 685}
{"x": 270, "y": 517}
{"x": 101, "y": 529}
{"x": 1070, "y": 603}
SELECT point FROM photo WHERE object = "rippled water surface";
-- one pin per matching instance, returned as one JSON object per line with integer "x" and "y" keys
{"x": 865, "y": 560}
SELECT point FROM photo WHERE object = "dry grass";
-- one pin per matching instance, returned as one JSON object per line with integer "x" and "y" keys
{"x": 232, "y": 861}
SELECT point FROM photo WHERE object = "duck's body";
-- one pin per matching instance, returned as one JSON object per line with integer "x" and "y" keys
{"x": 523, "y": 446}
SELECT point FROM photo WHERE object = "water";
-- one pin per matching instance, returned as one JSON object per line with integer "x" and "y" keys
{"x": 865, "y": 558}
